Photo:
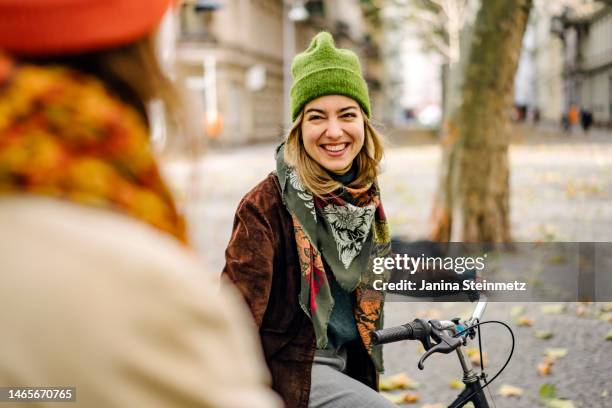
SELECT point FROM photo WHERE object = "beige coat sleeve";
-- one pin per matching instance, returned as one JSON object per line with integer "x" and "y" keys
{"x": 122, "y": 313}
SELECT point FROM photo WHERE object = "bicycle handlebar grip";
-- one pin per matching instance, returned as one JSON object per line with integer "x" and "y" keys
{"x": 393, "y": 334}
{"x": 420, "y": 329}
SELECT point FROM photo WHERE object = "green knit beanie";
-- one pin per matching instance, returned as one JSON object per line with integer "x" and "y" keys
{"x": 324, "y": 69}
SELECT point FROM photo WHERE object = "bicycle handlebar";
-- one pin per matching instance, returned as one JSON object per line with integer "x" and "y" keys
{"x": 443, "y": 333}
{"x": 419, "y": 329}
{"x": 416, "y": 330}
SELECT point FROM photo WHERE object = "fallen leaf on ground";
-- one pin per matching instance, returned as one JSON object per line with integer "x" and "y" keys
{"x": 394, "y": 398}
{"x": 606, "y": 317}
{"x": 517, "y": 311}
{"x": 606, "y": 307}
{"x": 545, "y": 366}
{"x": 510, "y": 391}
{"x": 559, "y": 403}
{"x": 548, "y": 391}
{"x": 434, "y": 406}
{"x": 456, "y": 384}
{"x": 398, "y": 381}
{"x": 557, "y": 259}
{"x": 604, "y": 394}
{"x": 549, "y": 233}
{"x": 555, "y": 353}
{"x": 405, "y": 397}
{"x": 410, "y": 397}
{"x": 551, "y": 355}
{"x": 475, "y": 359}
{"x": 582, "y": 310}
{"x": 384, "y": 384}
{"x": 548, "y": 395}
{"x": 474, "y": 355}
{"x": 582, "y": 188}
{"x": 543, "y": 334}
{"x": 402, "y": 380}
{"x": 524, "y": 321}
{"x": 609, "y": 336}
{"x": 431, "y": 314}
{"x": 534, "y": 282}
{"x": 553, "y": 309}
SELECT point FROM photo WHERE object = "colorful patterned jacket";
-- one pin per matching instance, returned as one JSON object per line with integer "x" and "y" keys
{"x": 262, "y": 261}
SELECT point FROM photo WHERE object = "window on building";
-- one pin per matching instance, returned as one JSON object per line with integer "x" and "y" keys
{"x": 196, "y": 19}
{"x": 316, "y": 8}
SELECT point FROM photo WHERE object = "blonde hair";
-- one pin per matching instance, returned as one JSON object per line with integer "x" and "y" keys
{"x": 314, "y": 176}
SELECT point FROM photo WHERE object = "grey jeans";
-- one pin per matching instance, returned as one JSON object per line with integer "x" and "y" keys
{"x": 332, "y": 388}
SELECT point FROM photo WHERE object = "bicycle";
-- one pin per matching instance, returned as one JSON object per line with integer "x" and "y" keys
{"x": 446, "y": 336}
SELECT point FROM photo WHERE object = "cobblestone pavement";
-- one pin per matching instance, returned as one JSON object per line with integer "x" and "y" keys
{"x": 561, "y": 191}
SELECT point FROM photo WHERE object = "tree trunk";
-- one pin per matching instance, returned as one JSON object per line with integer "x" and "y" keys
{"x": 441, "y": 218}
{"x": 472, "y": 204}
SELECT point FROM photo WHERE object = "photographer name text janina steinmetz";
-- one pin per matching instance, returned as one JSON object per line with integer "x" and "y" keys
{"x": 405, "y": 284}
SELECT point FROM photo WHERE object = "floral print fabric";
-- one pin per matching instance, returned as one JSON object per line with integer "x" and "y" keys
{"x": 63, "y": 135}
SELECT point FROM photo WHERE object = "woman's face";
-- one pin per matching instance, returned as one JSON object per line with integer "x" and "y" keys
{"x": 333, "y": 131}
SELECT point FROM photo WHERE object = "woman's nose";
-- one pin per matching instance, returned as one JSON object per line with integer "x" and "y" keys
{"x": 334, "y": 129}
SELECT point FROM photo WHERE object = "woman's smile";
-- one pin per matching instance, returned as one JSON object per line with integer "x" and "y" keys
{"x": 335, "y": 149}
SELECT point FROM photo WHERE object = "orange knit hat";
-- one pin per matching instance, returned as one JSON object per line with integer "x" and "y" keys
{"x": 52, "y": 27}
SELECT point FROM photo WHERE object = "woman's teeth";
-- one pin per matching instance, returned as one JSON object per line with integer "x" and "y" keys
{"x": 335, "y": 148}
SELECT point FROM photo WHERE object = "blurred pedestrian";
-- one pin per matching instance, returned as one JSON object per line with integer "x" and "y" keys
{"x": 565, "y": 124}
{"x": 572, "y": 117}
{"x": 304, "y": 239}
{"x": 536, "y": 116}
{"x": 100, "y": 289}
{"x": 586, "y": 119}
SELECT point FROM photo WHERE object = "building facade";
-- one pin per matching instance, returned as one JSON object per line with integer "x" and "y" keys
{"x": 539, "y": 80}
{"x": 588, "y": 64}
{"x": 567, "y": 60}
{"x": 234, "y": 55}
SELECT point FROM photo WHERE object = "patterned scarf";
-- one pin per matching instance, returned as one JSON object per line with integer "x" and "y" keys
{"x": 348, "y": 229}
{"x": 63, "y": 135}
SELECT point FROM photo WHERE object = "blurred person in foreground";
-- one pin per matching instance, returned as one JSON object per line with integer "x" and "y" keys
{"x": 304, "y": 240}
{"x": 99, "y": 289}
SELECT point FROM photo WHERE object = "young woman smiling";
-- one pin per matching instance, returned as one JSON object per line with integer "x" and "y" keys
{"x": 304, "y": 240}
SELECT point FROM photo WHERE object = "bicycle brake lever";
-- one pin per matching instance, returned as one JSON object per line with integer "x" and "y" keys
{"x": 425, "y": 356}
{"x": 445, "y": 346}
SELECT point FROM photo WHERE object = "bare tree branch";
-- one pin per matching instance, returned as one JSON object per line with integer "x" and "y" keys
{"x": 441, "y": 47}
{"x": 427, "y": 17}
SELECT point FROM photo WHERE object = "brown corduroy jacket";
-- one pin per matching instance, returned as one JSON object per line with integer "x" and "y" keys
{"x": 262, "y": 261}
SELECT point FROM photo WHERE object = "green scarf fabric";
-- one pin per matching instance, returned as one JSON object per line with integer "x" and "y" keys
{"x": 348, "y": 229}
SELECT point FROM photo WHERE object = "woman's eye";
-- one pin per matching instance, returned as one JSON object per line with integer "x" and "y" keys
{"x": 349, "y": 115}
{"x": 315, "y": 117}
